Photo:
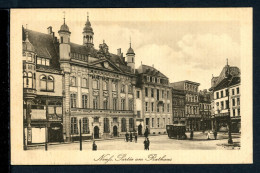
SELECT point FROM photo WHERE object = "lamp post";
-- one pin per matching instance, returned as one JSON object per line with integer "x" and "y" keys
{"x": 46, "y": 128}
{"x": 230, "y": 141}
{"x": 80, "y": 136}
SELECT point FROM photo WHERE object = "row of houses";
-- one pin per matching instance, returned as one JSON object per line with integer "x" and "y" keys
{"x": 66, "y": 84}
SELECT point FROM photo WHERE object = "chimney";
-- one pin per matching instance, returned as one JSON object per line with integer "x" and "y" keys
{"x": 119, "y": 52}
{"x": 153, "y": 65}
{"x": 49, "y": 29}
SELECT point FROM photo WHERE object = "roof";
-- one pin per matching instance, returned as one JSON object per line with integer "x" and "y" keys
{"x": 64, "y": 28}
{"x": 145, "y": 69}
{"x": 130, "y": 51}
{"x": 44, "y": 45}
{"x": 227, "y": 82}
{"x": 185, "y": 81}
{"x": 82, "y": 49}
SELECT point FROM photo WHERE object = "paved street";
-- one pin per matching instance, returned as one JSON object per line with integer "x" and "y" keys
{"x": 156, "y": 143}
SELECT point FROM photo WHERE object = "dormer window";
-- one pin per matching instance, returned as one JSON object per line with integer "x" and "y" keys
{"x": 43, "y": 61}
{"x": 148, "y": 78}
{"x": 153, "y": 79}
{"x": 158, "y": 80}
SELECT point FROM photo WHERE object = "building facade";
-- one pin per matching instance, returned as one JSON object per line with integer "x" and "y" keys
{"x": 205, "y": 109}
{"x": 155, "y": 103}
{"x": 42, "y": 90}
{"x": 226, "y": 92}
{"x": 193, "y": 118}
{"x": 178, "y": 106}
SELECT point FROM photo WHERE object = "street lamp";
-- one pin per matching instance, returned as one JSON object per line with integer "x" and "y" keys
{"x": 230, "y": 141}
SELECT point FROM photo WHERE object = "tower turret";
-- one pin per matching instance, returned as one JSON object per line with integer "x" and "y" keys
{"x": 130, "y": 55}
{"x": 88, "y": 34}
{"x": 64, "y": 41}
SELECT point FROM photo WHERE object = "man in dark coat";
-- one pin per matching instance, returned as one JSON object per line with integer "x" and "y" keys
{"x": 126, "y": 137}
{"x": 94, "y": 146}
{"x": 145, "y": 144}
{"x": 148, "y": 143}
{"x": 131, "y": 137}
{"x": 191, "y": 134}
{"x": 215, "y": 134}
{"x": 135, "y": 138}
{"x": 146, "y": 132}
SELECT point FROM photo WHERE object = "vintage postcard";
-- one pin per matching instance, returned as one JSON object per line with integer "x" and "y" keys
{"x": 131, "y": 86}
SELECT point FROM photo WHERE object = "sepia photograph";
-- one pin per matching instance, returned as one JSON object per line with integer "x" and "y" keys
{"x": 131, "y": 86}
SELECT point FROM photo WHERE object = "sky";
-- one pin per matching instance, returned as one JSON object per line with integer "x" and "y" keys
{"x": 183, "y": 44}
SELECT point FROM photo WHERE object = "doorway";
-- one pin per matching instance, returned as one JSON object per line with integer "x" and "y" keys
{"x": 115, "y": 131}
{"x": 96, "y": 132}
{"x": 55, "y": 132}
{"x": 140, "y": 129}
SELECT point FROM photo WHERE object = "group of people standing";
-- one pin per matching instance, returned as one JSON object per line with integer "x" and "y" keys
{"x": 130, "y": 137}
{"x": 208, "y": 134}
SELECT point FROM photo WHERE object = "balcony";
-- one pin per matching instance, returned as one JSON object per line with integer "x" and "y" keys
{"x": 101, "y": 111}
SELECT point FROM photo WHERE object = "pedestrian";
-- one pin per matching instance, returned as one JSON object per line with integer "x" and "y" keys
{"x": 145, "y": 144}
{"x": 208, "y": 135}
{"x": 146, "y": 132}
{"x": 135, "y": 138}
{"x": 191, "y": 134}
{"x": 131, "y": 136}
{"x": 126, "y": 136}
{"x": 94, "y": 146}
{"x": 148, "y": 143}
{"x": 215, "y": 134}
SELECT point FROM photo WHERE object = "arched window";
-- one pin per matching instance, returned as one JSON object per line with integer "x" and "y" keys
{"x": 50, "y": 83}
{"x": 84, "y": 82}
{"x": 123, "y": 125}
{"x": 25, "y": 80}
{"x": 43, "y": 82}
{"x": 85, "y": 126}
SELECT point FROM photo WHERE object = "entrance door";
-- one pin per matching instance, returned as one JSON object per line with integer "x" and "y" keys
{"x": 115, "y": 131}
{"x": 55, "y": 132}
{"x": 140, "y": 129}
{"x": 96, "y": 132}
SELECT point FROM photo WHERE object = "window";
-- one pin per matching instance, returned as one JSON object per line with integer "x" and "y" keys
{"x": 84, "y": 101}
{"x": 28, "y": 80}
{"x": 153, "y": 79}
{"x": 146, "y": 92}
{"x": 123, "y": 125}
{"x": 95, "y": 103}
{"x": 106, "y": 125}
{"x": 238, "y": 101}
{"x": 169, "y": 120}
{"x": 138, "y": 114}
{"x": 131, "y": 124}
{"x": 162, "y": 107}
{"x": 72, "y": 81}
{"x": 167, "y": 95}
{"x": 105, "y": 103}
{"x": 222, "y": 105}
{"x": 158, "y": 108}
{"x": 226, "y": 92}
{"x": 50, "y": 83}
{"x": 85, "y": 126}
{"x": 152, "y": 106}
{"x": 114, "y": 86}
{"x": 158, "y": 80}
{"x": 227, "y": 104}
{"x": 96, "y": 119}
{"x": 217, "y": 95}
{"x": 95, "y": 84}
{"x": 158, "y": 122}
{"x": 29, "y": 57}
{"x": 234, "y": 112}
{"x": 115, "y": 120}
{"x": 237, "y": 90}
{"x": 114, "y": 104}
{"x": 148, "y": 78}
{"x": 221, "y": 93}
{"x": 233, "y": 102}
{"x": 39, "y": 60}
{"x": 122, "y": 88}
{"x": 122, "y": 104}
{"x": 138, "y": 94}
{"x": 152, "y": 92}
{"x": 152, "y": 122}
{"x": 162, "y": 94}
{"x": 61, "y": 39}
{"x": 25, "y": 83}
{"x": 238, "y": 112}
{"x": 43, "y": 82}
{"x": 43, "y": 61}
{"x": 73, "y": 100}
{"x": 168, "y": 107}
{"x": 146, "y": 106}
{"x": 158, "y": 94}
{"x": 47, "y": 62}
{"x": 233, "y": 91}
{"x": 130, "y": 88}
{"x": 130, "y": 104}
{"x": 84, "y": 82}
{"x": 74, "y": 125}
